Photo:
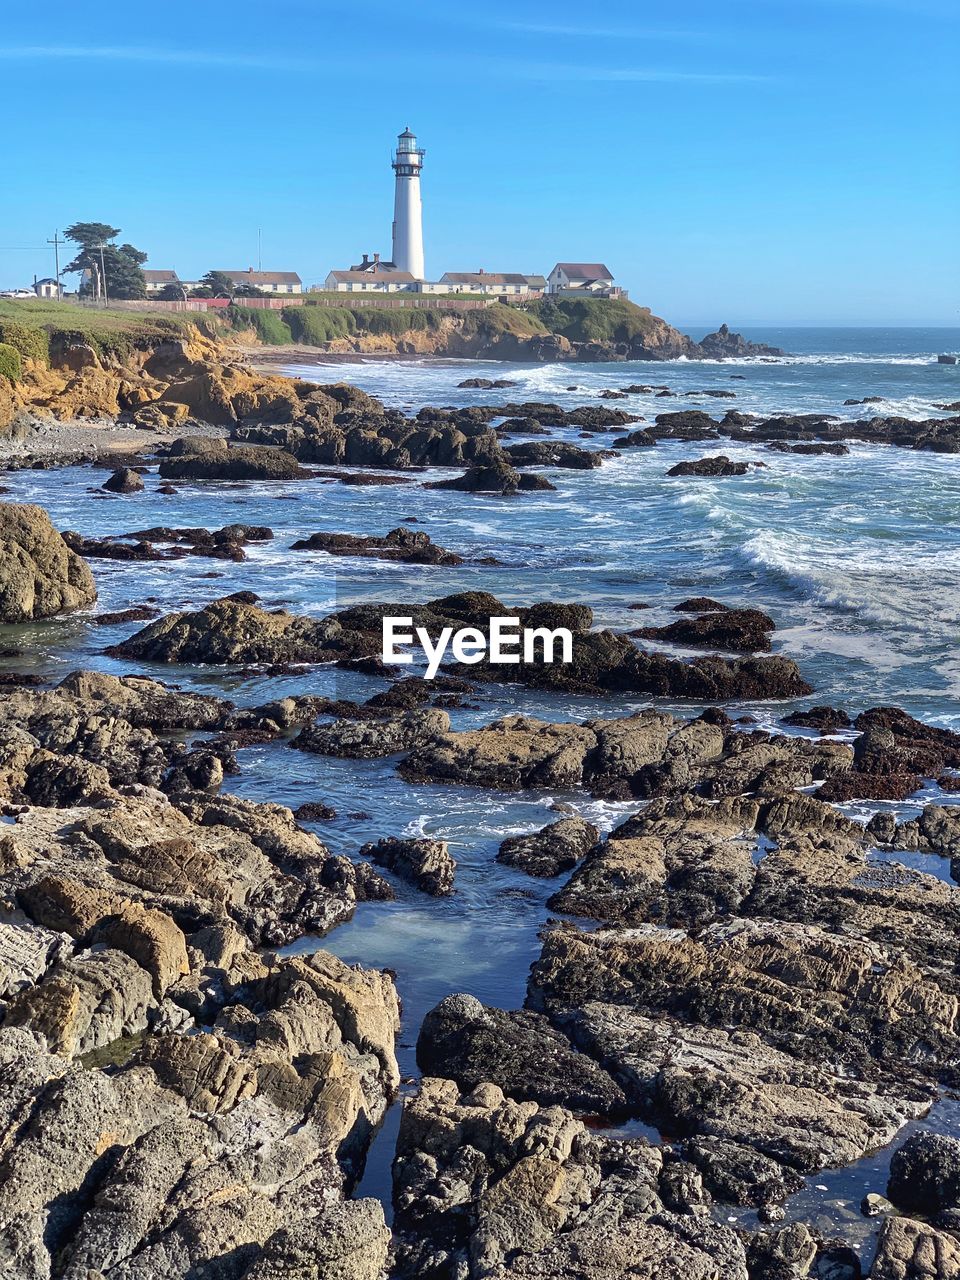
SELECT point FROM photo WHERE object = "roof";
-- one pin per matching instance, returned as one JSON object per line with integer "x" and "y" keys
{"x": 263, "y": 277}
{"x": 398, "y": 277}
{"x": 160, "y": 277}
{"x": 491, "y": 277}
{"x": 585, "y": 270}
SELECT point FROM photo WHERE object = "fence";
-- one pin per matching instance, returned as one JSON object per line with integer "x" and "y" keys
{"x": 419, "y": 302}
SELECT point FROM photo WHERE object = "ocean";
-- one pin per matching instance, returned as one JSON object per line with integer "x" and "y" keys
{"x": 856, "y": 558}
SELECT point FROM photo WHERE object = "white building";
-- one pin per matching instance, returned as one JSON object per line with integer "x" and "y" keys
{"x": 268, "y": 281}
{"x": 359, "y": 280}
{"x": 572, "y": 279}
{"x": 407, "y": 206}
{"x": 158, "y": 280}
{"x": 500, "y": 284}
{"x": 46, "y": 288}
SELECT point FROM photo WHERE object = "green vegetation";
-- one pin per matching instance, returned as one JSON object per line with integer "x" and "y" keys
{"x": 10, "y": 364}
{"x": 269, "y": 325}
{"x": 313, "y": 326}
{"x": 503, "y": 317}
{"x": 594, "y": 319}
{"x": 119, "y": 265}
{"x": 29, "y": 342}
{"x": 32, "y": 325}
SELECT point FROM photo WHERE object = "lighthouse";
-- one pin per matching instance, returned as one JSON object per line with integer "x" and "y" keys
{"x": 407, "y": 209}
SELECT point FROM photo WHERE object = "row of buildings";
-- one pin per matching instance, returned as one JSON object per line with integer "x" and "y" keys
{"x": 371, "y": 275}
{"x": 567, "y": 279}
{"x": 266, "y": 281}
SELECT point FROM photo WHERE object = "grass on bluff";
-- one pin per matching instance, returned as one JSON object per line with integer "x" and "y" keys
{"x": 594, "y": 319}
{"x": 29, "y": 326}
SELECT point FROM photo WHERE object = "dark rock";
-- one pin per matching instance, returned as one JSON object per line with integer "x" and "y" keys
{"x": 399, "y": 544}
{"x": 724, "y": 345}
{"x": 716, "y": 466}
{"x": 742, "y": 630}
{"x": 925, "y": 1174}
{"x": 554, "y": 849}
{"x": 466, "y": 1041}
{"x": 826, "y": 719}
{"x": 124, "y": 480}
{"x": 240, "y": 462}
{"x": 314, "y": 811}
{"x": 424, "y": 863}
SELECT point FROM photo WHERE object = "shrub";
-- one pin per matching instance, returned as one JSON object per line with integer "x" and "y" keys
{"x": 269, "y": 325}
{"x": 314, "y": 326}
{"x": 10, "y": 363}
{"x": 30, "y": 343}
{"x": 594, "y": 319}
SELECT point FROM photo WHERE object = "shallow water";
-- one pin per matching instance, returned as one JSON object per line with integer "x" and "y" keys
{"x": 856, "y": 558}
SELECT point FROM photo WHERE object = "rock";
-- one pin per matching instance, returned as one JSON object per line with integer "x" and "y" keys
{"x": 424, "y": 863}
{"x": 910, "y": 1250}
{"x": 787, "y": 1254}
{"x": 873, "y": 1205}
{"x": 485, "y": 1186}
{"x": 509, "y": 754}
{"x": 825, "y": 719}
{"x": 370, "y": 739}
{"x": 925, "y": 1174}
{"x": 124, "y": 480}
{"x": 39, "y": 575}
{"x": 723, "y": 998}
{"x": 466, "y": 1041}
{"x": 716, "y": 466}
{"x": 724, "y": 345}
{"x": 685, "y": 424}
{"x": 700, "y": 604}
{"x": 552, "y": 850}
{"x": 232, "y": 630}
{"x": 241, "y": 462}
{"x": 836, "y": 450}
{"x": 344, "y": 1241}
{"x": 494, "y": 477}
{"x": 406, "y": 545}
{"x": 741, "y": 630}
{"x": 555, "y": 453}
{"x": 673, "y": 881}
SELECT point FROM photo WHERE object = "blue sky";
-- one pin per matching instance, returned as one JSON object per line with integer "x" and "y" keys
{"x": 756, "y": 161}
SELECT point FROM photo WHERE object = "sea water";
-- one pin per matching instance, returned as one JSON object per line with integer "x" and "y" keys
{"x": 856, "y": 558}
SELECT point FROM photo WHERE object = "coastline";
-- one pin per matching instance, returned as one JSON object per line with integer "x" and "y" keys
{"x": 728, "y": 729}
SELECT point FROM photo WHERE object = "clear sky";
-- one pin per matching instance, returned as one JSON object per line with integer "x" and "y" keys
{"x": 756, "y": 161}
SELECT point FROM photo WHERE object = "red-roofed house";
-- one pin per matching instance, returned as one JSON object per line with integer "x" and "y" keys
{"x": 593, "y": 278}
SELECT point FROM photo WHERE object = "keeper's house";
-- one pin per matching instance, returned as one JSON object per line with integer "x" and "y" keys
{"x": 583, "y": 279}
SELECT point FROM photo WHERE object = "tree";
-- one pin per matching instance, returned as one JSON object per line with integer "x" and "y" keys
{"x": 247, "y": 291}
{"x": 215, "y": 284}
{"x": 97, "y": 253}
{"x": 172, "y": 293}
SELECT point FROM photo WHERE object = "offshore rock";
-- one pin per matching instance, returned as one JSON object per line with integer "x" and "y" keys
{"x": 424, "y": 863}
{"x": 552, "y": 850}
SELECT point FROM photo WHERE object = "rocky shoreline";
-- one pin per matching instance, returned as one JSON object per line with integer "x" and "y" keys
{"x": 740, "y": 986}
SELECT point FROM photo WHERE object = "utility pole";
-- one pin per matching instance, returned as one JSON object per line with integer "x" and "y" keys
{"x": 103, "y": 275}
{"x": 57, "y": 242}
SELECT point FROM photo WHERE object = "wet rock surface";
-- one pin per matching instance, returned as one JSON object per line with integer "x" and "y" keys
{"x": 407, "y": 545}
{"x": 233, "y": 631}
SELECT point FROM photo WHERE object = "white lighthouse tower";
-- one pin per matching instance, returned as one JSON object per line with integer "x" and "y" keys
{"x": 407, "y": 208}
